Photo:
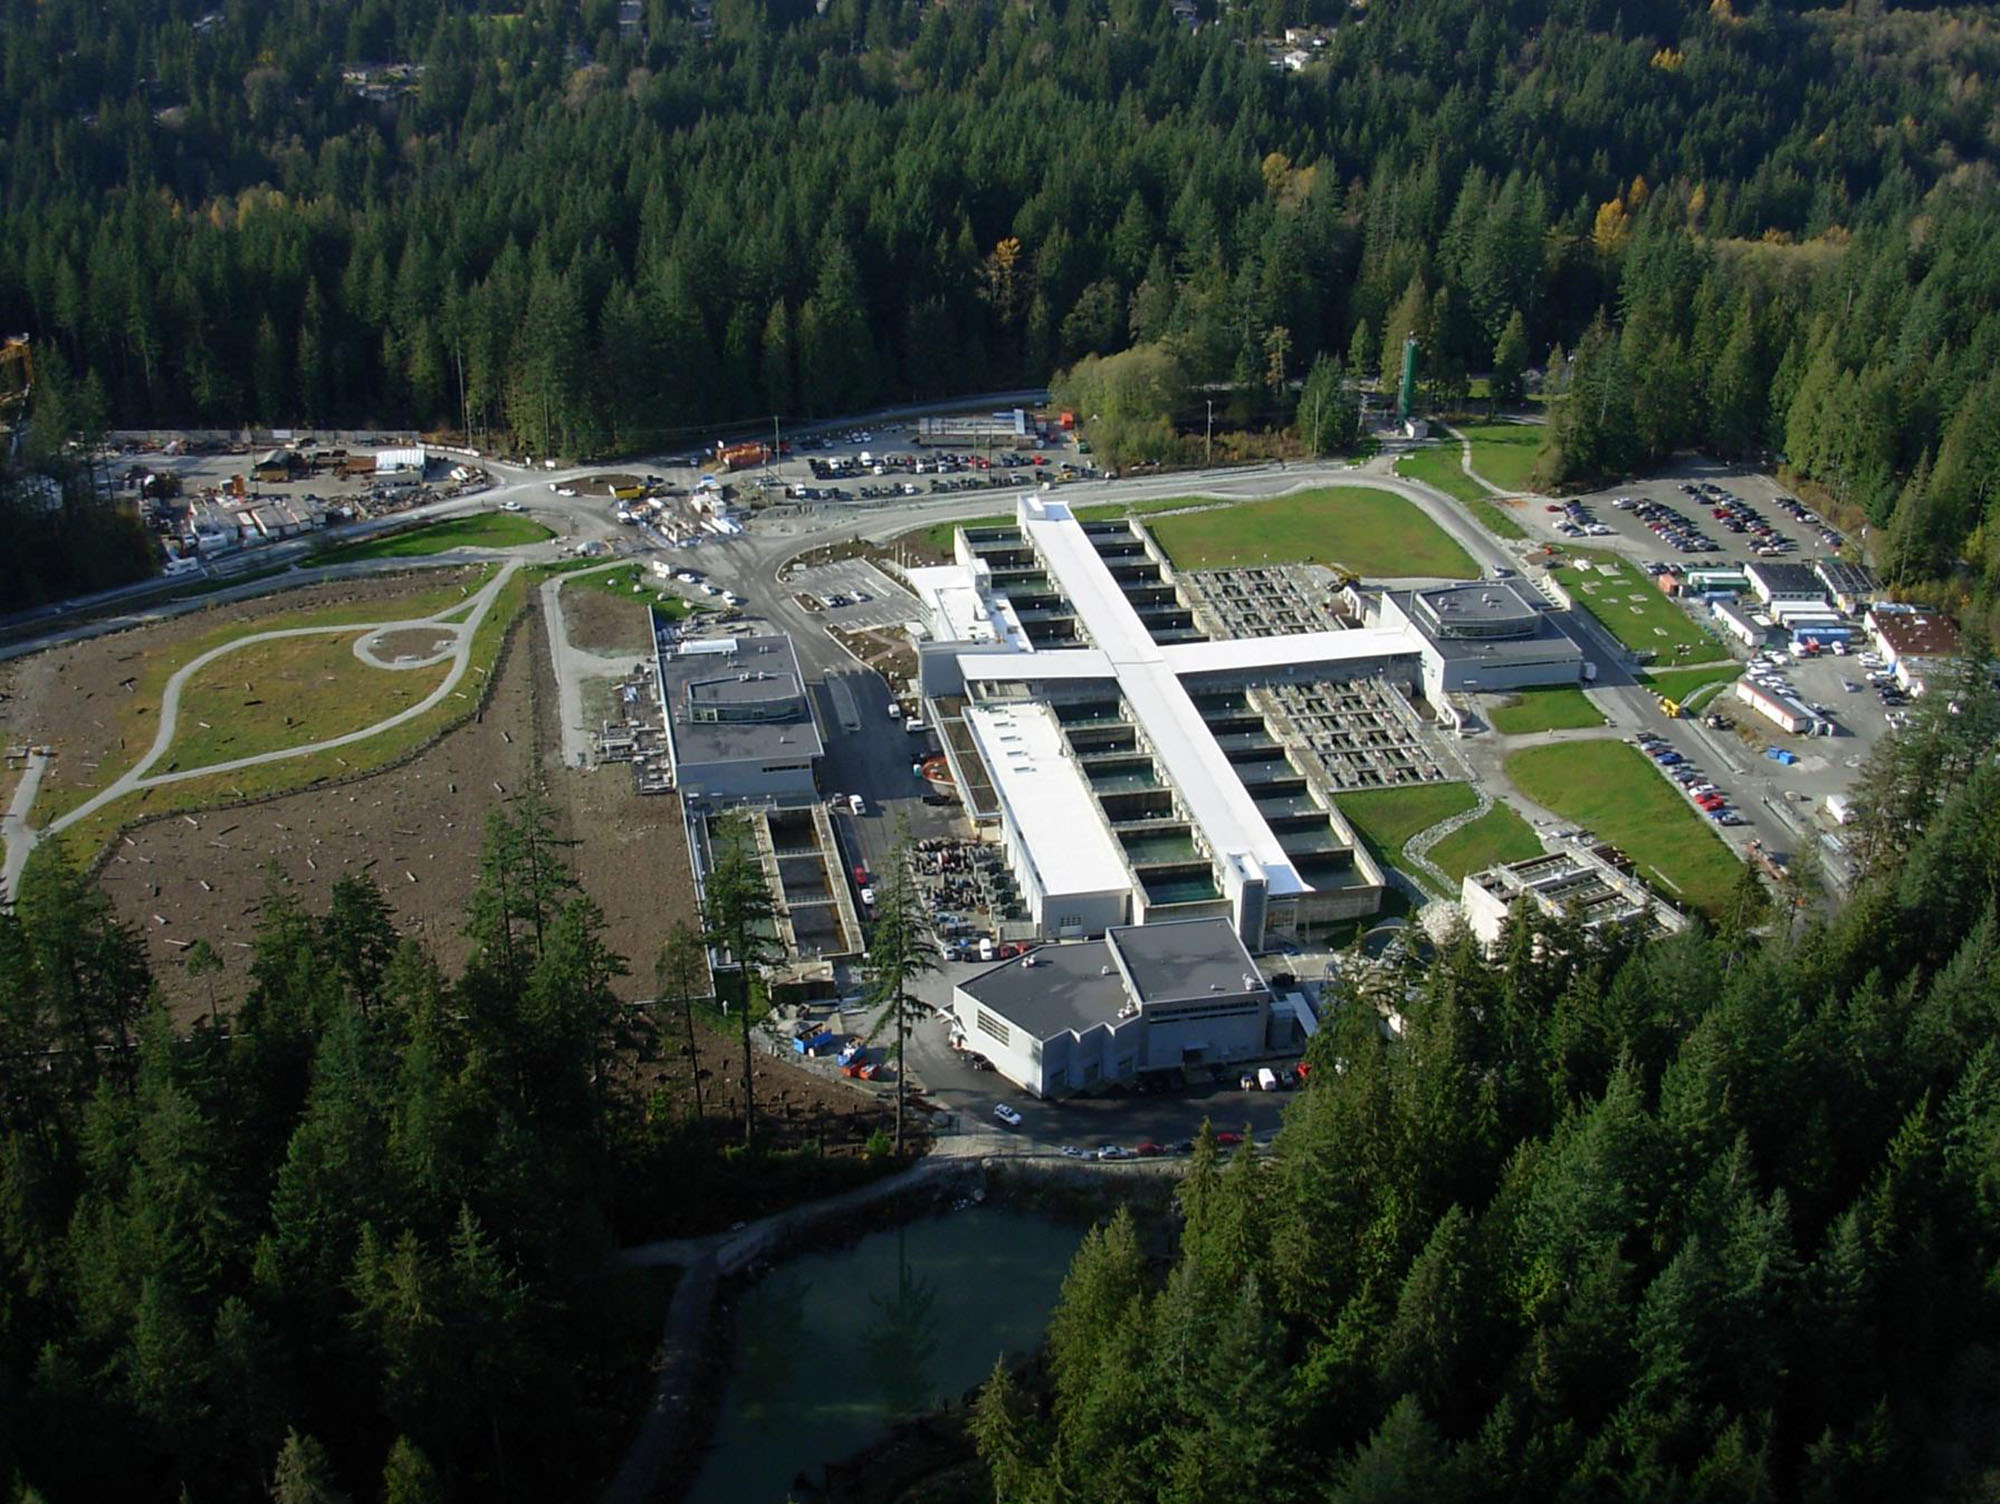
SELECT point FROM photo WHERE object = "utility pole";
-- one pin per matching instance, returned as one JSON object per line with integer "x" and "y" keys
{"x": 1208, "y": 457}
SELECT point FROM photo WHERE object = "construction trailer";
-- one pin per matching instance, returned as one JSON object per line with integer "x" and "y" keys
{"x": 1787, "y": 713}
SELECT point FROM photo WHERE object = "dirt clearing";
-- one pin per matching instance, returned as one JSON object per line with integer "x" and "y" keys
{"x": 601, "y": 621}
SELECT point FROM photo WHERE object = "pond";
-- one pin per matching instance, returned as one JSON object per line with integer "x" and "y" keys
{"x": 833, "y": 1348}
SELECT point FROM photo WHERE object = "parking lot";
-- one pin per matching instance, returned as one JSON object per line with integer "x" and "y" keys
{"x": 854, "y": 593}
{"x": 1671, "y": 517}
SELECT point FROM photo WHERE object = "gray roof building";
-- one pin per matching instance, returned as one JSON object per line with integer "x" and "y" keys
{"x": 1145, "y": 997}
{"x": 739, "y": 721}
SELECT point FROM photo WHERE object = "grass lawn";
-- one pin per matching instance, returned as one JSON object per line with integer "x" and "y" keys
{"x": 88, "y": 836}
{"x": 1504, "y": 452}
{"x": 1561, "y": 708}
{"x": 1385, "y": 819}
{"x": 1439, "y": 467}
{"x": 1681, "y": 683}
{"x": 1609, "y": 788}
{"x": 1495, "y": 837}
{"x": 285, "y": 694}
{"x": 1372, "y": 533}
{"x": 481, "y": 530}
{"x": 1631, "y": 607}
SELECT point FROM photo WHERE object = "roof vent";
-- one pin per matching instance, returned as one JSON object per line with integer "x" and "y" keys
{"x": 1104, "y": 971}
{"x": 1250, "y": 981}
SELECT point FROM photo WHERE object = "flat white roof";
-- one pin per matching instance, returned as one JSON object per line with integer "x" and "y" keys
{"x": 1301, "y": 650}
{"x": 1210, "y": 791}
{"x": 1008, "y": 668}
{"x": 967, "y": 613}
{"x": 1044, "y": 792}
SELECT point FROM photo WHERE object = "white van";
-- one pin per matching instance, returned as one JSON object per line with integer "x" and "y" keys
{"x": 985, "y": 947}
{"x": 1267, "y": 1079}
{"x": 857, "y": 804}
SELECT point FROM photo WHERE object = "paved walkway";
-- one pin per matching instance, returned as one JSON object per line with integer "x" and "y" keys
{"x": 21, "y": 838}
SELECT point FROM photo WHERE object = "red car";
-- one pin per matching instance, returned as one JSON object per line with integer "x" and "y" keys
{"x": 1149, "y": 1150}
{"x": 860, "y": 876}
{"x": 1228, "y": 1140}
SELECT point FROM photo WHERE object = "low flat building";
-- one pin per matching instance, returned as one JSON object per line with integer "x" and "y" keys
{"x": 1783, "y": 582}
{"x": 1489, "y": 636}
{"x": 1851, "y": 587}
{"x": 1589, "y": 884}
{"x": 1737, "y": 624}
{"x": 739, "y": 722}
{"x": 1917, "y": 643}
{"x": 1067, "y": 1018}
{"x": 1786, "y": 712}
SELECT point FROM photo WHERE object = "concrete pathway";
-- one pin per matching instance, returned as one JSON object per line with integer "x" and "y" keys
{"x": 22, "y": 838}
{"x": 14, "y": 828}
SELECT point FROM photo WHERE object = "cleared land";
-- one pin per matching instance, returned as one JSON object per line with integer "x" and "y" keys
{"x": 605, "y": 615}
{"x": 97, "y": 702}
{"x": 1497, "y": 836}
{"x": 1504, "y": 452}
{"x": 1372, "y": 533}
{"x": 88, "y": 836}
{"x": 287, "y": 693}
{"x": 1439, "y": 467}
{"x": 1562, "y": 708}
{"x": 1610, "y": 788}
{"x": 1631, "y": 607}
{"x": 482, "y": 530}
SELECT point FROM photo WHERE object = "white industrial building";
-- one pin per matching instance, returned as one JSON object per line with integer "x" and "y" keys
{"x": 1787, "y": 712}
{"x": 1737, "y": 623}
{"x": 403, "y": 463}
{"x": 1066, "y": 1018}
{"x": 1591, "y": 885}
{"x": 1078, "y": 705}
{"x": 1489, "y": 637}
{"x": 739, "y": 723}
{"x": 1917, "y": 643}
{"x": 1775, "y": 582}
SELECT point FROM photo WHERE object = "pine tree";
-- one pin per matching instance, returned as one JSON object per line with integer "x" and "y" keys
{"x": 681, "y": 974}
{"x": 1510, "y": 360}
{"x": 900, "y": 949}
{"x": 738, "y": 908}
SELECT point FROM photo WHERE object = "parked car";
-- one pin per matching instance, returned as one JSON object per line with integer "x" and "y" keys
{"x": 1005, "y": 1115}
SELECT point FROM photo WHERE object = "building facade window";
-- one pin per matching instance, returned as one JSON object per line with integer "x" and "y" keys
{"x": 988, "y": 1024}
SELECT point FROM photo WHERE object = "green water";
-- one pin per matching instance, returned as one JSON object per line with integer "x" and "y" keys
{"x": 1119, "y": 779}
{"x": 1179, "y": 889}
{"x": 833, "y": 1348}
{"x": 1166, "y": 846}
